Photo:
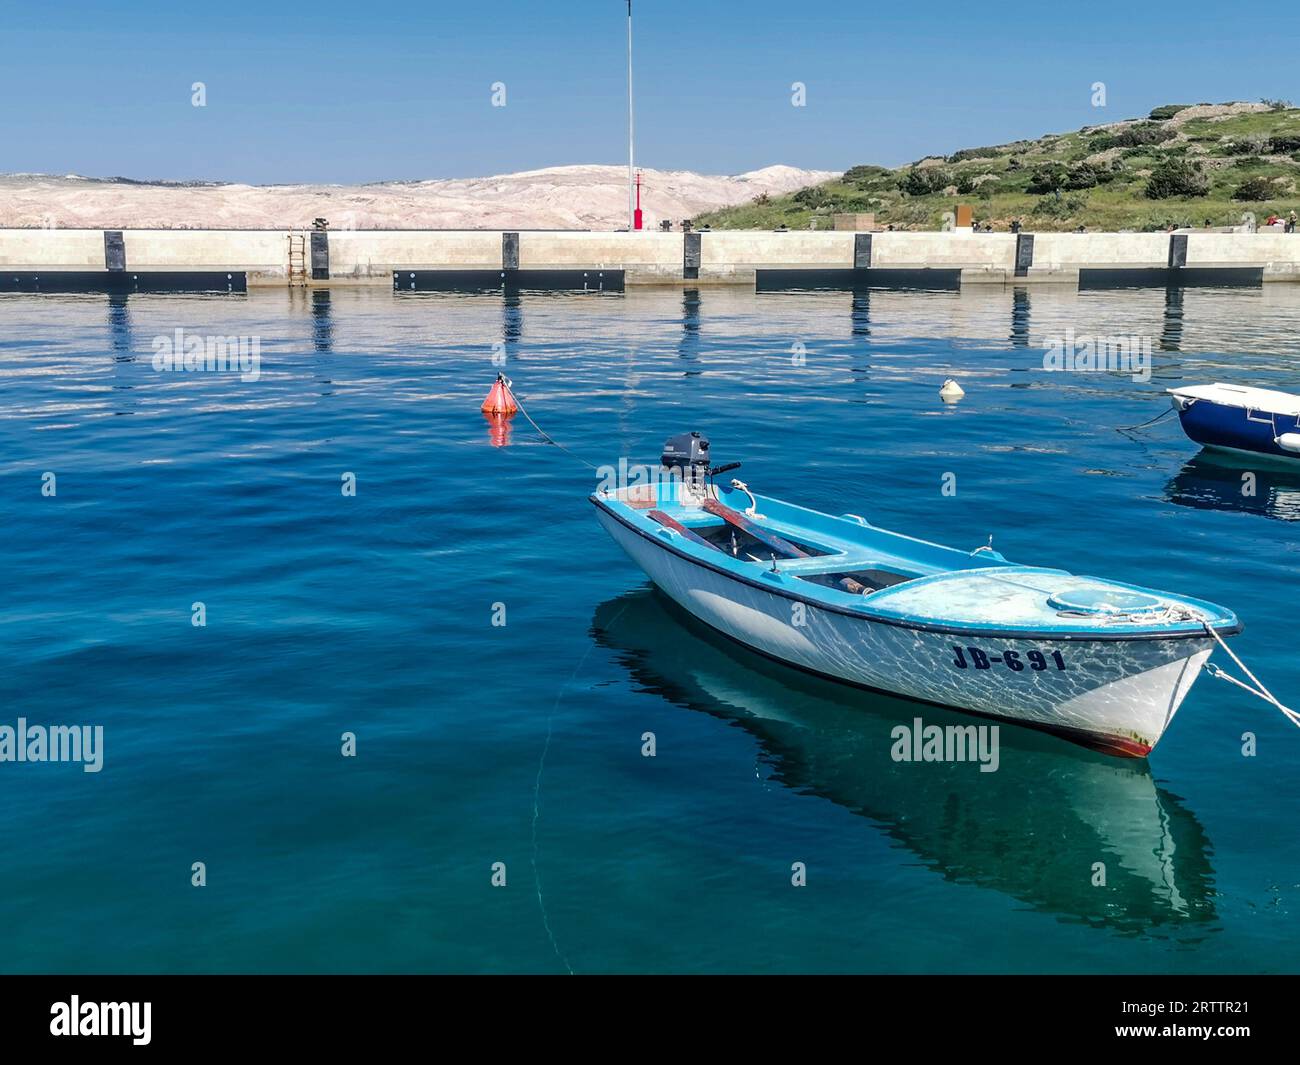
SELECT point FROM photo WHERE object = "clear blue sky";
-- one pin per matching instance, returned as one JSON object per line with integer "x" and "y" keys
{"x": 349, "y": 92}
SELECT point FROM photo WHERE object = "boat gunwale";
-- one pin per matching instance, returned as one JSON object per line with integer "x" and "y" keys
{"x": 1290, "y": 409}
{"x": 1040, "y": 633}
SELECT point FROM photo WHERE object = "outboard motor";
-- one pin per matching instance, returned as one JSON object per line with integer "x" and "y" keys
{"x": 689, "y": 453}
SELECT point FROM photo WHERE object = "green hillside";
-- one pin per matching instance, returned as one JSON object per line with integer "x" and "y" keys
{"x": 1182, "y": 165}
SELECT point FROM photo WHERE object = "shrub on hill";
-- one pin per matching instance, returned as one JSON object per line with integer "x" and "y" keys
{"x": 1254, "y": 190}
{"x": 1053, "y": 177}
{"x": 974, "y": 153}
{"x": 1049, "y": 177}
{"x": 1089, "y": 175}
{"x": 1135, "y": 136}
{"x": 921, "y": 181}
{"x": 1176, "y": 177}
{"x": 1252, "y": 144}
{"x": 812, "y": 197}
{"x": 1059, "y": 206}
{"x": 1144, "y": 133}
{"x": 862, "y": 175}
{"x": 1167, "y": 111}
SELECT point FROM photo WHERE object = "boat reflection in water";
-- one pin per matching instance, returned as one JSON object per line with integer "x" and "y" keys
{"x": 1216, "y": 480}
{"x": 1032, "y": 829}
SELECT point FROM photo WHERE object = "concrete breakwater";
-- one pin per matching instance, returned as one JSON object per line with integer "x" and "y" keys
{"x": 92, "y": 259}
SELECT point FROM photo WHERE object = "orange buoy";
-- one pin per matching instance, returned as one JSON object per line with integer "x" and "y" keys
{"x": 499, "y": 400}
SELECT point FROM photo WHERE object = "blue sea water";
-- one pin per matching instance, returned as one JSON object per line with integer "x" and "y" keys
{"x": 521, "y": 743}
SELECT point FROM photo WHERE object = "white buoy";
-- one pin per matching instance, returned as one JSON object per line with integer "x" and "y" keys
{"x": 951, "y": 391}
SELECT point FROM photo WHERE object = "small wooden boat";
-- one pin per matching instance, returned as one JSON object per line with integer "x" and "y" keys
{"x": 1098, "y": 662}
{"x": 1253, "y": 421}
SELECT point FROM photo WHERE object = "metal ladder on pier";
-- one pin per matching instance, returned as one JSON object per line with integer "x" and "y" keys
{"x": 297, "y": 260}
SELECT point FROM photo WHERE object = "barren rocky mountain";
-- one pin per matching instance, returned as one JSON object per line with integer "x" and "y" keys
{"x": 566, "y": 197}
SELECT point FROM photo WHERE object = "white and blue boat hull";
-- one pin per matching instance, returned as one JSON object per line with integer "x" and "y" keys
{"x": 1240, "y": 420}
{"x": 1109, "y": 689}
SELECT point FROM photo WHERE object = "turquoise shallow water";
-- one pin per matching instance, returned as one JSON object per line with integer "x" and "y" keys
{"x": 521, "y": 743}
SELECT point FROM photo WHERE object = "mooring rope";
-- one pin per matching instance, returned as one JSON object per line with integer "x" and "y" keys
{"x": 543, "y": 433}
{"x": 1259, "y": 690}
{"x": 1141, "y": 425}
